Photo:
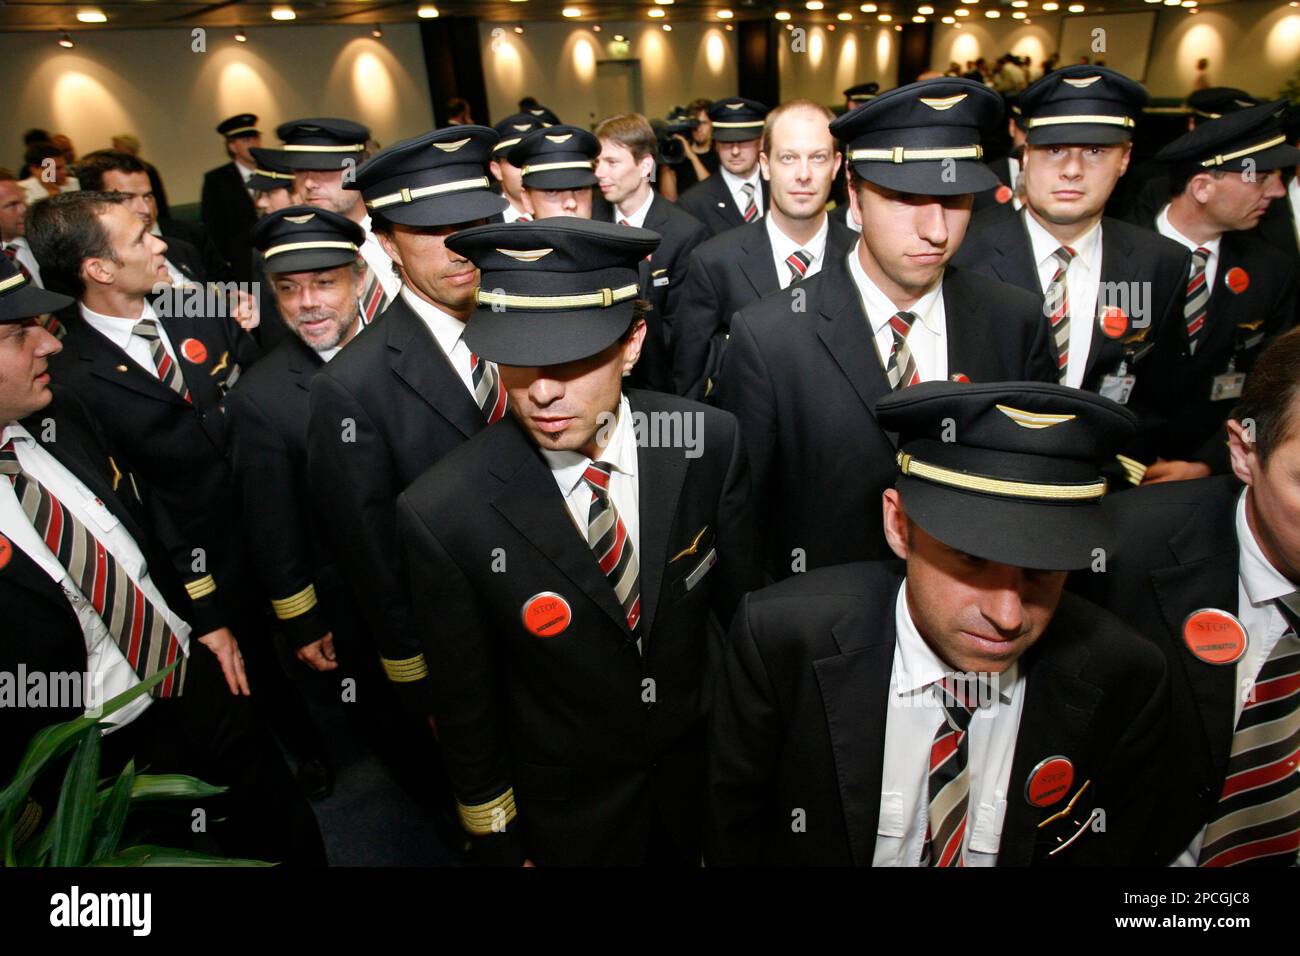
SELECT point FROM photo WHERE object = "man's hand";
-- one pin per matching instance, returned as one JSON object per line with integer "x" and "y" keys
{"x": 222, "y": 643}
{"x": 245, "y": 311}
{"x": 681, "y": 139}
{"x": 319, "y": 655}
{"x": 1175, "y": 471}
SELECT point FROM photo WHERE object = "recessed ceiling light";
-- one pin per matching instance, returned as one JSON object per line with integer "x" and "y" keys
{"x": 830, "y": 27}
{"x": 656, "y": 12}
{"x": 844, "y": 17}
{"x": 868, "y": 8}
{"x": 1019, "y": 15}
{"x": 948, "y": 20}
{"x": 92, "y": 15}
{"x": 427, "y": 12}
{"x": 1075, "y": 8}
{"x": 884, "y": 17}
{"x": 725, "y": 14}
{"x": 925, "y": 9}
{"x": 571, "y": 12}
{"x": 729, "y": 28}
{"x": 519, "y": 28}
{"x": 992, "y": 14}
{"x": 663, "y": 3}
{"x": 1051, "y": 5}
{"x": 782, "y": 15}
{"x": 619, "y": 38}
{"x": 668, "y": 28}
{"x": 65, "y": 41}
{"x": 241, "y": 36}
{"x": 918, "y": 19}
{"x": 962, "y": 12}
{"x": 377, "y": 32}
{"x": 814, "y": 4}
{"x": 283, "y": 13}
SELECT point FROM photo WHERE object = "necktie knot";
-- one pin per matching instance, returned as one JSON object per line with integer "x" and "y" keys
{"x": 748, "y": 190}
{"x": 146, "y": 329}
{"x": 959, "y": 697}
{"x": 623, "y": 222}
{"x": 9, "y": 459}
{"x": 597, "y": 477}
{"x": 901, "y": 322}
{"x": 1064, "y": 255}
{"x": 1201, "y": 255}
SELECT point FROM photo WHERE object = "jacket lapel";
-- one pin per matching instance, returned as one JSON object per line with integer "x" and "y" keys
{"x": 420, "y": 362}
{"x": 661, "y": 472}
{"x": 1117, "y": 266}
{"x": 846, "y": 333}
{"x": 112, "y": 364}
{"x": 756, "y": 262}
{"x": 303, "y": 363}
{"x": 971, "y": 333}
{"x": 530, "y": 500}
{"x": 1014, "y": 262}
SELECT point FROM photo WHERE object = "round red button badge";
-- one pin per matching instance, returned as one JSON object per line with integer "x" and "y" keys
{"x": 1114, "y": 323}
{"x": 1003, "y": 194}
{"x": 6, "y": 551}
{"x": 1238, "y": 279}
{"x": 194, "y": 351}
{"x": 546, "y": 614}
{"x": 1214, "y": 636}
{"x": 1049, "y": 782}
{"x": 959, "y": 377}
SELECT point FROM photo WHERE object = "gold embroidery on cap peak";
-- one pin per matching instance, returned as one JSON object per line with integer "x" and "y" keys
{"x": 947, "y": 103}
{"x": 526, "y": 255}
{"x": 1033, "y": 419}
{"x": 1083, "y": 82}
{"x": 562, "y": 138}
{"x": 299, "y": 220}
{"x": 452, "y": 147}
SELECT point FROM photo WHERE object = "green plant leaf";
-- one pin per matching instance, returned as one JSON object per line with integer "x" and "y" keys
{"x": 110, "y": 814}
{"x": 75, "y": 815}
{"x": 148, "y": 855}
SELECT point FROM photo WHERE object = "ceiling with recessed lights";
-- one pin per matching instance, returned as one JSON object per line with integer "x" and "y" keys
{"x": 61, "y": 15}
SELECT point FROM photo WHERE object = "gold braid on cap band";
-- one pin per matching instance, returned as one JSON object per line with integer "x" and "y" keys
{"x": 296, "y": 246}
{"x": 745, "y": 125}
{"x": 999, "y": 486}
{"x": 406, "y": 671}
{"x": 1222, "y": 158}
{"x": 295, "y": 605}
{"x": 547, "y": 167}
{"x": 905, "y": 154}
{"x": 271, "y": 174}
{"x": 242, "y": 129}
{"x": 603, "y": 298}
{"x": 423, "y": 192}
{"x": 1093, "y": 118}
{"x": 308, "y": 148}
{"x": 13, "y": 280}
{"x": 484, "y": 819}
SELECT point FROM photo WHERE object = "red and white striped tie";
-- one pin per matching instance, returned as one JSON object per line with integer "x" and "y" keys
{"x": 751, "y": 208}
{"x": 900, "y": 367}
{"x": 798, "y": 261}
{"x": 167, "y": 371}
{"x": 949, "y": 777}
{"x": 373, "y": 297}
{"x": 1058, "y": 297}
{"x": 608, "y": 539}
{"x": 489, "y": 394}
{"x": 1196, "y": 308}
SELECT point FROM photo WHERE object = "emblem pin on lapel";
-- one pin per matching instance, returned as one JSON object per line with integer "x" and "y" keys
{"x": 194, "y": 351}
{"x": 1114, "y": 322}
{"x": 1238, "y": 279}
{"x": 1049, "y": 782}
{"x": 1214, "y": 636}
{"x": 546, "y": 614}
{"x": 6, "y": 551}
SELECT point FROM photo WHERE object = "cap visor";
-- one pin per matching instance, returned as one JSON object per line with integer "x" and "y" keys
{"x": 320, "y": 161}
{"x": 560, "y": 179}
{"x": 1080, "y": 134}
{"x": 930, "y": 178}
{"x": 31, "y": 301}
{"x": 1275, "y": 157}
{"x": 308, "y": 260}
{"x": 1022, "y": 534}
{"x": 535, "y": 339}
{"x": 450, "y": 210}
{"x": 737, "y": 135}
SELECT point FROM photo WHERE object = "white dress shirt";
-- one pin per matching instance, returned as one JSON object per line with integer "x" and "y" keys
{"x": 327, "y": 354}
{"x": 1082, "y": 279}
{"x": 119, "y": 331}
{"x": 637, "y": 216}
{"x": 379, "y": 262}
{"x": 447, "y": 330}
{"x": 1259, "y": 584}
{"x": 913, "y": 715}
{"x": 783, "y": 247}
{"x": 734, "y": 182}
{"x": 512, "y": 213}
{"x": 1165, "y": 228}
{"x": 246, "y": 173}
{"x": 928, "y": 339}
{"x": 104, "y": 659}
{"x": 568, "y": 467}
{"x": 35, "y": 189}
{"x": 23, "y": 253}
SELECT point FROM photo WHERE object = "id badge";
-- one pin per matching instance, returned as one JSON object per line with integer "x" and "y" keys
{"x": 1227, "y": 385}
{"x": 1118, "y": 388}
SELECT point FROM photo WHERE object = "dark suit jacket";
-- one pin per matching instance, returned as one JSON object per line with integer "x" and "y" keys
{"x": 41, "y": 631}
{"x": 988, "y": 199}
{"x": 801, "y": 710}
{"x": 805, "y": 384}
{"x": 565, "y": 720}
{"x": 1179, "y": 553}
{"x": 179, "y": 448}
{"x": 229, "y": 214}
{"x": 382, "y": 412}
{"x": 1143, "y": 267}
{"x": 1239, "y": 325}
{"x": 725, "y": 275}
{"x": 1277, "y": 228}
{"x": 712, "y": 204}
{"x": 213, "y": 264}
{"x": 186, "y": 257}
{"x": 283, "y": 533}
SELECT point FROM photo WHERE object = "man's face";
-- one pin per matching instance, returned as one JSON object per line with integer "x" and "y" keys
{"x": 140, "y": 264}
{"x": 802, "y": 164}
{"x": 701, "y": 135}
{"x": 1273, "y": 501}
{"x": 445, "y": 278}
{"x": 13, "y": 210}
{"x": 509, "y": 176}
{"x": 320, "y": 307}
{"x": 618, "y": 174}
{"x": 324, "y": 188}
{"x": 563, "y": 407}
{"x": 24, "y": 380}
{"x": 1233, "y": 201}
{"x": 135, "y": 185}
{"x": 241, "y": 146}
{"x": 269, "y": 200}
{"x": 1070, "y": 184}
{"x": 545, "y": 203}
{"x": 976, "y": 615}
{"x": 740, "y": 158}
{"x": 907, "y": 238}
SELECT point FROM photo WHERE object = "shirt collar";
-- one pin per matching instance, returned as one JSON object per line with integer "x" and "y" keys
{"x": 734, "y": 182}
{"x": 16, "y": 433}
{"x": 619, "y": 452}
{"x": 917, "y": 666}
{"x": 1045, "y": 244}
{"x": 1166, "y": 229}
{"x": 637, "y": 218}
{"x": 880, "y": 308}
{"x": 1262, "y": 581}
{"x": 115, "y": 328}
{"x": 446, "y": 328}
{"x": 783, "y": 245}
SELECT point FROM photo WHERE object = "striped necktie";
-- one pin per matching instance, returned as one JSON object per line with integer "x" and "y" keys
{"x": 1257, "y": 820}
{"x": 489, "y": 394}
{"x": 900, "y": 368}
{"x": 949, "y": 778}
{"x": 798, "y": 261}
{"x": 373, "y": 298}
{"x": 11, "y": 251}
{"x": 608, "y": 539}
{"x": 1058, "y": 297}
{"x": 1197, "y": 305}
{"x": 168, "y": 373}
{"x": 751, "y": 208}
{"x": 138, "y": 628}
